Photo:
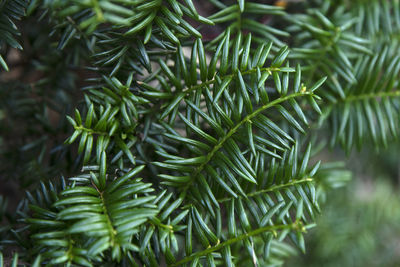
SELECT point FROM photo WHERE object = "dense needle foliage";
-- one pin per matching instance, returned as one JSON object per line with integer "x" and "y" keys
{"x": 188, "y": 132}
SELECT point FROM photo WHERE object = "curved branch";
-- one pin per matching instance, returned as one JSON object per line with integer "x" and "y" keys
{"x": 271, "y": 189}
{"x": 293, "y": 226}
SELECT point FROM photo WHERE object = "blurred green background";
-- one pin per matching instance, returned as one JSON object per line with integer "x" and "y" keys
{"x": 360, "y": 223}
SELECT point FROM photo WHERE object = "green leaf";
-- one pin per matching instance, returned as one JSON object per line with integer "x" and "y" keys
{"x": 318, "y": 84}
{"x": 80, "y": 190}
{"x": 225, "y": 53}
{"x": 202, "y": 60}
{"x": 246, "y": 52}
{"x": 204, "y": 228}
{"x": 3, "y": 63}
{"x": 236, "y": 49}
{"x": 172, "y": 105}
{"x": 245, "y": 95}
{"x": 166, "y": 30}
{"x": 280, "y": 57}
{"x": 290, "y": 118}
{"x": 197, "y": 130}
{"x": 271, "y": 212}
{"x": 99, "y": 246}
{"x": 141, "y": 25}
{"x": 241, "y": 5}
{"x": 277, "y": 81}
{"x": 192, "y": 8}
{"x": 121, "y": 180}
{"x": 211, "y": 171}
{"x": 213, "y": 63}
{"x": 188, "y": 237}
{"x": 221, "y": 88}
{"x": 250, "y": 136}
{"x": 103, "y": 169}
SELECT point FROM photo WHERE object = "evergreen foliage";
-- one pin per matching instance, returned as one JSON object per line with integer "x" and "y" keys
{"x": 9, "y": 12}
{"x": 183, "y": 150}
